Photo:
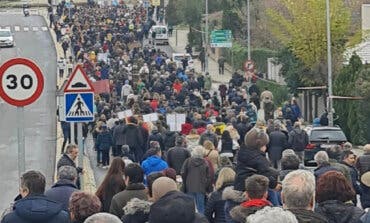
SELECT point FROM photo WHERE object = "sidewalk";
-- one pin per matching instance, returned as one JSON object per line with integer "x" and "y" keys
{"x": 178, "y": 42}
{"x": 88, "y": 177}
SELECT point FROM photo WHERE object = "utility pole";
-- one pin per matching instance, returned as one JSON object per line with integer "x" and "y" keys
{"x": 206, "y": 39}
{"x": 330, "y": 86}
{"x": 249, "y": 29}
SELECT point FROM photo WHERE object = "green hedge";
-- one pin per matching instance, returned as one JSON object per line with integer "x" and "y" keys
{"x": 240, "y": 54}
{"x": 280, "y": 93}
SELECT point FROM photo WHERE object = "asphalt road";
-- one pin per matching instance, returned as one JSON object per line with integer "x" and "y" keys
{"x": 33, "y": 41}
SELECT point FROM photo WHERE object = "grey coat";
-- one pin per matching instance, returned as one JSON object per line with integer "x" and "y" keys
{"x": 195, "y": 175}
{"x": 278, "y": 142}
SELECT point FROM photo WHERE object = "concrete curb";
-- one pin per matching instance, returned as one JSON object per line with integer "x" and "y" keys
{"x": 89, "y": 184}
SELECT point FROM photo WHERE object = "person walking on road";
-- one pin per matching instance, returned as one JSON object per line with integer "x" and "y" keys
{"x": 103, "y": 143}
{"x": 298, "y": 140}
{"x": 207, "y": 82}
{"x": 196, "y": 177}
{"x": 276, "y": 146}
{"x": 202, "y": 58}
{"x": 221, "y": 65}
{"x": 118, "y": 139}
{"x": 66, "y": 129}
{"x": 33, "y": 205}
{"x": 69, "y": 159}
{"x": 112, "y": 184}
{"x": 134, "y": 139}
{"x": 62, "y": 190}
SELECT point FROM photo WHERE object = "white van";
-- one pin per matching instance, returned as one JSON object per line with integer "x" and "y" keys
{"x": 161, "y": 35}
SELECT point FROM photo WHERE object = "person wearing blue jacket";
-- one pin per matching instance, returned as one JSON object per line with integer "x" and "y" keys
{"x": 154, "y": 161}
{"x": 34, "y": 206}
{"x": 104, "y": 142}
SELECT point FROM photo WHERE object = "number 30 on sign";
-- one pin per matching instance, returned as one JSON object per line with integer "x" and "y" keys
{"x": 21, "y": 83}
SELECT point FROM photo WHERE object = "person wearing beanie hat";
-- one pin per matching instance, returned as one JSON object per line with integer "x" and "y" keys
{"x": 252, "y": 159}
{"x": 161, "y": 186}
{"x": 175, "y": 206}
{"x": 170, "y": 173}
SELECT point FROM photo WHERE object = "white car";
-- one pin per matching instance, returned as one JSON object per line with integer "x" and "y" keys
{"x": 178, "y": 57}
{"x": 6, "y": 38}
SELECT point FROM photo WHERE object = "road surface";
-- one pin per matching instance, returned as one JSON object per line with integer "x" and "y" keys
{"x": 33, "y": 41}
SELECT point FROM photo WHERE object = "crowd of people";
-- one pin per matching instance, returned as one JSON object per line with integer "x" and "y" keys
{"x": 225, "y": 165}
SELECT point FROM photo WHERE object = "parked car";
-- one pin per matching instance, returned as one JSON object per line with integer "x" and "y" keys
{"x": 178, "y": 57}
{"x": 6, "y": 38}
{"x": 321, "y": 138}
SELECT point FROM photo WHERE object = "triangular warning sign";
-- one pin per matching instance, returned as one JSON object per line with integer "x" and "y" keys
{"x": 79, "y": 108}
{"x": 78, "y": 82}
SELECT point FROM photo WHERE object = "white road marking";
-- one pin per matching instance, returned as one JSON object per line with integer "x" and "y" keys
{"x": 44, "y": 28}
{"x": 35, "y": 28}
{"x": 17, "y": 28}
{"x": 26, "y": 28}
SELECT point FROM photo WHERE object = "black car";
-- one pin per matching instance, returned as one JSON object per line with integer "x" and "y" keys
{"x": 321, "y": 138}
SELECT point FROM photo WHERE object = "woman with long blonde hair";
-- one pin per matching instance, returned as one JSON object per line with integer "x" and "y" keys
{"x": 211, "y": 153}
{"x": 215, "y": 206}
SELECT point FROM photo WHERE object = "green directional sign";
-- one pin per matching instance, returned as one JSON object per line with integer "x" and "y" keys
{"x": 221, "y": 38}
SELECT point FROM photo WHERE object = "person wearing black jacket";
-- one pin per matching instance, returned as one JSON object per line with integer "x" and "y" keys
{"x": 252, "y": 159}
{"x": 134, "y": 138}
{"x": 177, "y": 155}
{"x": 278, "y": 142}
{"x": 68, "y": 159}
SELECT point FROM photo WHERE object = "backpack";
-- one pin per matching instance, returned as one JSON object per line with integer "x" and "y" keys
{"x": 299, "y": 141}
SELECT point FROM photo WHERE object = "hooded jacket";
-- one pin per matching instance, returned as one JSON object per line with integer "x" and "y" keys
{"x": 241, "y": 212}
{"x": 153, "y": 164}
{"x": 34, "y": 209}
{"x": 214, "y": 210}
{"x": 232, "y": 199}
{"x": 253, "y": 161}
{"x": 104, "y": 141}
{"x": 338, "y": 212}
{"x": 196, "y": 176}
{"x": 136, "y": 211}
{"x": 176, "y": 157}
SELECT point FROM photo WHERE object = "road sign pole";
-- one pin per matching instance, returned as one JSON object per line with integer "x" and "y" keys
{"x": 72, "y": 132}
{"x": 249, "y": 29}
{"x": 80, "y": 148}
{"x": 21, "y": 140}
{"x": 330, "y": 84}
{"x": 206, "y": 40}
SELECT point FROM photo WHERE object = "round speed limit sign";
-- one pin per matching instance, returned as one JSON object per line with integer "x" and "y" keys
{"x": 21, "y": 83}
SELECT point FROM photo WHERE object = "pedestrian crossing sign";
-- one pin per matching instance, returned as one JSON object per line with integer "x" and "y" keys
{"x": 79, "y": 107}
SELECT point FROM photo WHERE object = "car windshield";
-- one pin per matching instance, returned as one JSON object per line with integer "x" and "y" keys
{"x": 180, "y": 57}
{"x": 5, "y": 33}
{"x": 160, "y": 30}
{"x": 323, "y": 135}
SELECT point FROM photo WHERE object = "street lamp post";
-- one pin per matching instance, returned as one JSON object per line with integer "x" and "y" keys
{"x": 330, "y": 86}
{"x": 206, "y": 40}
{"x": 249, "y": 29}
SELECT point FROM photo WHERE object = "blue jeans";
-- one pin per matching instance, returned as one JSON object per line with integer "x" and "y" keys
{"x": 99, "y": 155}
{"x": 199, "y": 199}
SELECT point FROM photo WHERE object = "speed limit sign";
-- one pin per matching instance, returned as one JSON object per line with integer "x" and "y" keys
{"x": 21, "y": 83}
